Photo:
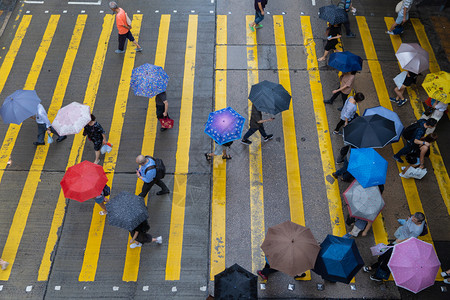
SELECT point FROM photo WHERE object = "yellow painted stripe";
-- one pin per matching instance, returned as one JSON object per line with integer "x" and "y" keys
{"x": 255, "y": 160}
{"x": 92, "y": 252}
{"x": 425, "y": 43}
{"x": 173, "y": 263}
{"x": 78, "y": 145}
{"x": 219, "y": 196}
{"x": 326, "y": 151}
{"x": 132, "y": 259}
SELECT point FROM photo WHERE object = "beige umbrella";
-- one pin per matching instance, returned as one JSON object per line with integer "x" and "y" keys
{"x": 290, "y": 248}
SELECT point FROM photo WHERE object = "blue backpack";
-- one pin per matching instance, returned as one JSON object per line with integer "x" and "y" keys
{"x": 398, "y": 29}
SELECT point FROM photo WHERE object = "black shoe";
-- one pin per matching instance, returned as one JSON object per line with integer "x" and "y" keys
{"x": 374, "y": 278}
{"x": 340, "y": 160}
{"x": 61, "y": 138}
{"x": 340, "y": 108}
{"x": 246, "y": 142}
{"x": 162, "y": 192}
{"x": 398, "y": 159}
{"x": 38, "y": 144}
{"x": 351, "y": 35}
{"x": 268, "y": 137}
{"x": 162, "y": 129}
{"x": 328, "y": 101}
{"x": 297, "y": 277}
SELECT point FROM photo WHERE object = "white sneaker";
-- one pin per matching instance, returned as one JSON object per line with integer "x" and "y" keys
{"x": 447, "y": 281}
{"x": 134, "y": 245}
{"x": 389, "y": 32}
{"x": 159, "y": 240}
{"x": 444, "y": 274}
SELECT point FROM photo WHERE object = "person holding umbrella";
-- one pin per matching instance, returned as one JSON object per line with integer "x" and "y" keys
{"x": 256, "y": 123}
{"x": 219, "y": 150}
{"x": 162, "y": 107}
{"x": 44, "y": 125}
{"x": 333, "y": 33}
{"x": 346, "y": 5}
{"x": 380, "y": 267}
{"x": 140, "y": 236}
{"x": 96, "y": 135}
{"x": 348, "y": 112}
{"x": 409, "y": 79}
{"x": 346, "y": 85}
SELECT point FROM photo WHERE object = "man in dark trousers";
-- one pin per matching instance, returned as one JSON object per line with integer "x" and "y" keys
{"x": 256, "y": 123}
{"x": 161, "y": 107}
{"x": 259, "y": 14}
{"x": 147, "y": 173}
{"x": 123, "y": 24}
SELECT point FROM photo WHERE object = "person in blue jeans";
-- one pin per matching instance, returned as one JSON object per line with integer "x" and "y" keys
{"x": 259, "y": 14}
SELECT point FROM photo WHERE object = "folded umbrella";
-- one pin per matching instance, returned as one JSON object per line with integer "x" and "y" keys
{"x": 224, "y": 125}
{"x": 345, "y": 61}
{"x": 270, "y": 97}
{"x": 388, "y": 114}
{"x": 235, "y": 282}
{"x": 363, "y": 203}
{"x": 412, "y": 57}
{"x": 369, "y": 132}
{"x": 333, "y": 14}
{"x": 19, "y": 106}
{"x": 126, "y": 211}
{"x": 148, "y": 80}
{"x": 72, "y": 118}
{"x": 437, "y": 86}
{"x": 367, "y": 166}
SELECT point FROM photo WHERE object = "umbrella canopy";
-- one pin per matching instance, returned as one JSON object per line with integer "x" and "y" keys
{"x": 338, "y": 260}
{"x": 224, "y": 125}
{"x": 367, "y": 166}
{"x": 345, "y": 61}
{"x": 126, "y": 211}
{"x": 19, "y": 106}
{"x": 149, "y": 80}
{"x": 437, "y": 86}
{"x": 363, "y": 203}
{"x": 270, "y": 97}
{"x": 369, "y": 132}
{"x": 72, "y": 118}
{"x": 83, "y": 181}
{"x": 235, "y": 282}
{"x": 412, "y": 57}
{"x": 333, "y": 14}
{"x": 388, "y": 114}
{"x": 290, "y": 248}
{"x": 414, "y": 265}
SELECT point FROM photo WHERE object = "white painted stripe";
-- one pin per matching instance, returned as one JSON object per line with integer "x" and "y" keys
{"x": 99, "y": 2}
{"x": 34, "y": 2}
{"x": 313, "y": 2}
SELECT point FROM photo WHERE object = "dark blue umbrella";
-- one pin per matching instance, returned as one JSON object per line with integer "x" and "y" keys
{"x": 390, "y": 115}
{"x": 345, "y": 61}
{"x": 367, "y": 166}
{"x": 19, "y": 106}
{"x": 149, "y": 80}
{"x": 126, "y": 211}
{"x": 235, "y": 282}
{"x": 333, "y": 14}
{"x": 369, "y": 132}
{"x": 270, "y": 97}
{"x": 224, "y": 125}
{"x": 338, "y": 260}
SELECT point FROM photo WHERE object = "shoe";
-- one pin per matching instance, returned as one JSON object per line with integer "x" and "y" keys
{"x": 328, "y": 101}
{"x": 398, "y": 159}
{"x": 351, "y": 35}
{"x": 444, "y": 274}
{"x": 340, "y": 160}
{"x": 374, "y": 278}
{"x": 38, "y": 143}
{"x": 227, "y": 157}
{"x": 389, "y": 32}
{"x": 5, "y": 264}
{"x": 138, "y": 49}
{"x": 251, "y": 27}
{"x": 61, "y": 138}
{"x": 102, "y": 213}
{"x": 367, "y": 269}
{"x": 119, "y": 51}
{"x": 337, "y": 132}
{"x": 268, "y": 138}
{"x": 340, "y": 108}
{"x": 159, "y": 240}
{"x": 393, "y": 99}
{"x": 208, "y": 158}
{"x": 162, "y": 129}
{"x": 134, "y": 245}
{"x": 298, "y": 277}
{"x": 162, "y": 192}
{"x": 446, "y": 281}
{"x": 258, "y": 26}
{"x": 246, "y": 142}
{"x": 402, "y": 102}
{"x": 334, "y": 175}
{"x": 259, "y": 272}
{"x": 347, "y": 236}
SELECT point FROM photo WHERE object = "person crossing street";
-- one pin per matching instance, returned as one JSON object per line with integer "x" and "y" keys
{"x": 148, "y": 172}
{"x": 123, "y": 24}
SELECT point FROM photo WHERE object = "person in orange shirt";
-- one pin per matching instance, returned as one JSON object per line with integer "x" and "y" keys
{"x": 123, "y": 24}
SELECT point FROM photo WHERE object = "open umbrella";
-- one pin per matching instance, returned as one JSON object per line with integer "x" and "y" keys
{"x": 388, "y": 114}
{"x": 437, "y": 86}
{"x": 126, "y": 211}
{"x": 224, "y": 125}
{"x": 270, "y": 97}
{"x": 338, "y": 260}
{"x": 363, "y": 203}
{"x": 369, "y": 132}
{"x": 83, "y": 181}
{"x": 414, "y": 265}
{"x": 290, "y": 248}
{"x": 333, "y": 14}
{"x": 235, "y": 282}
{"x": 367, "y": 166}
{"x": 345, "y": 61}
{"x": 149, "y": 80}
{"x": 19, "y": 106}
{"x": 412, "y": 57}
{"x": 72, "y": 118}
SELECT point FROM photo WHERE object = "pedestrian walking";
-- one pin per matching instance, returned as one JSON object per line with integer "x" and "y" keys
{"x": 267, "y": 270}
{"x": 446, "y": 276}
{"x": 348, "y": 112}
{"x": 347, "y": 6}
{"x": 139, "y": 236}
{"x": 259, "y": 14}
{"x": 96, "y": 135}
{"x": 4, "y": 264}
{"x": 123, "y": 24}
{"x": 409, "y": 79}
{"x": 101, "y": 200}
{"x": 162, "y": 106}
{"x": 256, "y": 123}
{"x": 411, "y": 227}
{"x": 381, "y": 268}
{"x": 151, "y": 171}
{"x": 403, "y": 15}
{"x": 44, "y": 125}
{"x": 435, "y": 109}
{"x": 219, "y": 150}
{"x": 333, "y": 33}
{"x": 345, "y": 88}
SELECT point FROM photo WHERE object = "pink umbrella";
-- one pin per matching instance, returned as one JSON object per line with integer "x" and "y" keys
{"x": 72, "y": 118}
{"x": 414, "y": 265}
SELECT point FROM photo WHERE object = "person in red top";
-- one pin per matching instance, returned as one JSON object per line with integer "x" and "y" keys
{"x": 123, "y": 26}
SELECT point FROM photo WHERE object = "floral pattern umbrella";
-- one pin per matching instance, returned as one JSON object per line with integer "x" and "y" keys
{"x": 437, "y": 86}
{"x": 72, "y": 118}
{"x": 149, "y": 80}
{"x": 224, "y": 125}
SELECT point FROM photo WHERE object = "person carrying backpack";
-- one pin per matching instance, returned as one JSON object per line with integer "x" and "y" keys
{"x": 151, "y": 171}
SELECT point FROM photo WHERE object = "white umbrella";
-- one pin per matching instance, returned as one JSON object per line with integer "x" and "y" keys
{"x": 72, "y": 118}
{"x": 412, "y": 57}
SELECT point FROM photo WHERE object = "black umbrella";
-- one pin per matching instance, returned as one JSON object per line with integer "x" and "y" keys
{"x": 372, "y": 131}
{"x": 333, "y": 14}
{"x": 270, "y": 97}
{"x": 126, "y": 211}
{"x": 235, "y": 282}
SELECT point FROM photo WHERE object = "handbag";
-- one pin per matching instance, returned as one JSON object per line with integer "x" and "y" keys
{"x": 166, "y": 122}
{"x": 398, "y": 7}
{"x": 379, "y": 249}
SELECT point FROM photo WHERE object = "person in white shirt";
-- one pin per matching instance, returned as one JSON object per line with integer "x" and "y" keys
{"x": 411, "y": 227}
{"x": 403, "y": 15}
{"x": 438, "y": 112}
{"x": 44, "y": 125}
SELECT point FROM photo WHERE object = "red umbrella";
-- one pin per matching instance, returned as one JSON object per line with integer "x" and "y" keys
{"x": 83, "y": 181}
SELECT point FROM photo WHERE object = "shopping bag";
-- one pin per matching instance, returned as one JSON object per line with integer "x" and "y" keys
{"x": 400, "y": 78}
{"x": 166, "y": 122}
{"x": 106, "y": 148}
{"x": 49, "y": 139}
{"x": 416, "y": 173}
{"x": 379, "y": 249}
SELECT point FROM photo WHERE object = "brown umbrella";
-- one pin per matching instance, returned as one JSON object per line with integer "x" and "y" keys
{"x": 290, "y": 248}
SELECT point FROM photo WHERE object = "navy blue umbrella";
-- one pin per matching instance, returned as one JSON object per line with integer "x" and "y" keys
{"x": 345, "y": 61}
{"x": 388, "y": 114}
{"x": 338, "y": 259}
{"x": 372, "y": 131}
{"x": 270, "y": 97}
{"x": 235, "y": 282}
{"x": 333, "y": 14}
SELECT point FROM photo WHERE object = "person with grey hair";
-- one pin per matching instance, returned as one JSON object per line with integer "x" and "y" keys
{"x": 147, "y": 172}
{"x": 411, "y": 227}
{"x": 123, "y": 24}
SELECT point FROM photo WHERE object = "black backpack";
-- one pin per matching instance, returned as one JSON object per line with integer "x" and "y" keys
{"x": 159, "y": 166}
{"x": 106, "y": 190}
{"x": 425, "y": 229}
{"x": 409, "y": 132}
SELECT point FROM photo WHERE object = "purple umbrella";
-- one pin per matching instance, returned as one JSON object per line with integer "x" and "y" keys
{"x": 224, "y": 125}
{"x": 414, "y": 265}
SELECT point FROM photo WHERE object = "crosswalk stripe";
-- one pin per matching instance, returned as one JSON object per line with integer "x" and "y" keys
{"x": 218, "y": 201}
{"x": 175, "y": 247}
{"x": 92, "y": 252}
{"x": 132, "y": 259}
{"x": 77, "y": 146}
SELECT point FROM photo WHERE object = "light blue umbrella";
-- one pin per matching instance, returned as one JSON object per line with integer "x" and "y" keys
{"x": 19, "y": 106}
{"x": 388, "y": 114}
{"x": 224, "y": 125}
{"x": 367, "y": 166}
{"x": 149, "y": 80}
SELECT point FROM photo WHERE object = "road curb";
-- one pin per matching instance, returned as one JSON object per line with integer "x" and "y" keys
{"x": 6, "y": 9}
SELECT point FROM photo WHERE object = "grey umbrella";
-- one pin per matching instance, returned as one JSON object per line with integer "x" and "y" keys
{"x": 363, "y": 203}
{"x": 19, "y": 106}
{"x": 126, "y": 211}
{"x": 412, "y": 57}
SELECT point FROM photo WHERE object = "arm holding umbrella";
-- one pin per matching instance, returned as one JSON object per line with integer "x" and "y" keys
{"x": 266, "y": 120}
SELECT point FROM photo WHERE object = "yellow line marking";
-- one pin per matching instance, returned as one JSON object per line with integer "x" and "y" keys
{"x": 219, "y": 196}
{"x": 94, "y": 241}
{"x": 132, "y": 259}
{"x": 255, "y": 159}
{"x": 409, "y": 185}
{"x": 77, "y": 146}
{"x": 173, "y": 263}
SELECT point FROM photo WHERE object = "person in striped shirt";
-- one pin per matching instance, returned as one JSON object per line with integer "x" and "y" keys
{"x": 403, "y": 15}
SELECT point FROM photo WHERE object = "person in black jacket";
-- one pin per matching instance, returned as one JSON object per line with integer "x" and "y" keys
{"x": 380, "y": 267}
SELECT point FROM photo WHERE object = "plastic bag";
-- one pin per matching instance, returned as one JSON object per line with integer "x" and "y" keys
{"x": 379, "y": 249}
{"x": 416, "y": 173}
{"x": 49, "y": 139}
{"x": 106, "y": 148}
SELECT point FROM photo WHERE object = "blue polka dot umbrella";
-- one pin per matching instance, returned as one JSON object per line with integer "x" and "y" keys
{"x": 149, "y": 80}
{"x": 224, "y": 125}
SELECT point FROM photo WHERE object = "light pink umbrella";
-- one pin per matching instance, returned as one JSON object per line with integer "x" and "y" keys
{"x": 72, "y": 118}
{"x": 414, "y": 265}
